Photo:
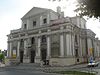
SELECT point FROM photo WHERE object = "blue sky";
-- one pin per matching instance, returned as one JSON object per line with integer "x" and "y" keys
{"x": 12, "y": 10}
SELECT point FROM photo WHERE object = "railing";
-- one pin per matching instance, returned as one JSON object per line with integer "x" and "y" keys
{"x": 15, "y": 31}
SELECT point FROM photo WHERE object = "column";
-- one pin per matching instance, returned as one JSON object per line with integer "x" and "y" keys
{"x": 18, "y": 48}
{"x": 89, "y": 44}
{"x": 80, "y": 47}
{"x": 61, "y": 43}
{"x": 10, "y": 52}
{"x": 25, "y": 42}
{"x": 73, "y": 48}
{"x": 41, "y": 20}
{"x": 8, "y": 49}
{"x": 48, "y": 18}
{"x": 37, "y": 57}
{"x": 68, "y": 44}
{"x": 28, "y": 24}
{"x": 38, "y": 48}
{"x": 48, "y": 47}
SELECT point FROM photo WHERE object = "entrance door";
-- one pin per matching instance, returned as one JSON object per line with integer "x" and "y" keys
{"x": 32, "y": 53}
{"x": 21, "y": 56}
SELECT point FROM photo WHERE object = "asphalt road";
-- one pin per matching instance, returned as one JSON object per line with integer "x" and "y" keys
{"x": 20, "y": 72}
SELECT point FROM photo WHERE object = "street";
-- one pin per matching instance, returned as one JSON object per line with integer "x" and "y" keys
{"x": 33, "y": 70}
{"x": 4, "y": 71}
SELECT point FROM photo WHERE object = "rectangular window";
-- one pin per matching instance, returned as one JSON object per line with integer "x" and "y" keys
{"x": 44, "y": 20}
{"x": 34, "y": 23}
{"x": 32, "y": 40}
{"x": 25, "y": 26}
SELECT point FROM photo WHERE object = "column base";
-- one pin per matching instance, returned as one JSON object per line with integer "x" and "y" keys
{"x": 48, "y": 57}
{"x": 37, "y": 59}
{"x": 61, "y": 56}
{"x": 26, "y": 59}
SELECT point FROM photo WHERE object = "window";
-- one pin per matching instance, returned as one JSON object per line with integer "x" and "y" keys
{"x": 25, "y": 26}
{"x": 76, "y": 39}
{"x": 43, "y": 38}
{"x": 76, "y": 52}
{"x": 44, "y": 20}
{"x": 32, "y": 40}
{"x": 22, "y": 42}
{"x": 34, "y": 23}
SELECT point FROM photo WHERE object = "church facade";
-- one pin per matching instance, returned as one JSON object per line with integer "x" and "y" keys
{"x": 49, "y": 37}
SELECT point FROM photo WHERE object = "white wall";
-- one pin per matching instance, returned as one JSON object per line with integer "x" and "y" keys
{"x": 80, "y": 22}
{"x": 53, "y": 16}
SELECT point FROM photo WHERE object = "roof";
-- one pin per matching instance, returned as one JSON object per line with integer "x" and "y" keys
{"x": 34, "y": 11}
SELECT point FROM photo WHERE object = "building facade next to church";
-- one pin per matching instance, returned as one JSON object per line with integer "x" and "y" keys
{"x": 47, "y": 36}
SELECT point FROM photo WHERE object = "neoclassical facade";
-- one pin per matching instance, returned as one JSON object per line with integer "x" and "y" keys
{"x": 47, "y": 36}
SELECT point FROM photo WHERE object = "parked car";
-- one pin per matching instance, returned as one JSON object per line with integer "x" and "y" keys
{"x": 93, "y": 64}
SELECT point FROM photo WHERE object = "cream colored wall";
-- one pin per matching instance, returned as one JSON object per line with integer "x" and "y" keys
{"x": 66, "y": 61}
{"x": 62, "y": 61}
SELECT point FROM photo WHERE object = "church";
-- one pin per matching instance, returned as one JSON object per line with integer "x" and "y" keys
{"x": 48, "y": 36}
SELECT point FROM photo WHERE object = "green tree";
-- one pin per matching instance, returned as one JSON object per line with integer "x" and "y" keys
{"x": 90, "y": 8}
{"x": 2, "y": 57}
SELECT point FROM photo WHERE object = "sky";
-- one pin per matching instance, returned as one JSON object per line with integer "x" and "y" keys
{"x": 11, "y": 12}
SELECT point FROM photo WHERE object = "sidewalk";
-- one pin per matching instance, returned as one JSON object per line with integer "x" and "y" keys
{"x": 48, "y": 68}
{"x": 2, "y": 65}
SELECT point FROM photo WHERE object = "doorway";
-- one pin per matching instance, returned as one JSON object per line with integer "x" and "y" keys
{"x": 43, "y": 55}
{"x": 32, "y": 56}
{"x": 21, "y": 56}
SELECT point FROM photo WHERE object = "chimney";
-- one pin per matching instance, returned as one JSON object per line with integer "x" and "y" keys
{"x": 59, "y": 10}
{"x": 60, "y": 14}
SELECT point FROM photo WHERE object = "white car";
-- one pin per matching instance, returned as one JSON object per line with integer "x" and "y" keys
{"x": 93, "y": 64}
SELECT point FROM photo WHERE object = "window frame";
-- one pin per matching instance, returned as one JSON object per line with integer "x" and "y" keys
{"x": 25, "y": 26}
{"x": 44, "y": 20}
{"x": 34, "y": 23}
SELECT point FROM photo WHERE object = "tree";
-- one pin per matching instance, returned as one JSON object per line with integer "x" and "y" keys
{"x": 2, "y": 57}
{"x": 90, "y": 8}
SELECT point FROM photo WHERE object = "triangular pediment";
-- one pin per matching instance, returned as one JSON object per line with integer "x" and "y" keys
{"x": 34, "y": 11}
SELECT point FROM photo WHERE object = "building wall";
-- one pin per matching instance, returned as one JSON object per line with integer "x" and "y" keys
{"x": 65, "y": 44}
{"x": 80, "y": 22}
{"x": 53, "y": 16}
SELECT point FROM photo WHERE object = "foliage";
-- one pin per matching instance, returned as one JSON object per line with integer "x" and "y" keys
{"x": 88, "y": 8}
{"x": 2, "y": 57}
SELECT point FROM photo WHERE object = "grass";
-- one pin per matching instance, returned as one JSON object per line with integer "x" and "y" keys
{"x": 75, "y": 73}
